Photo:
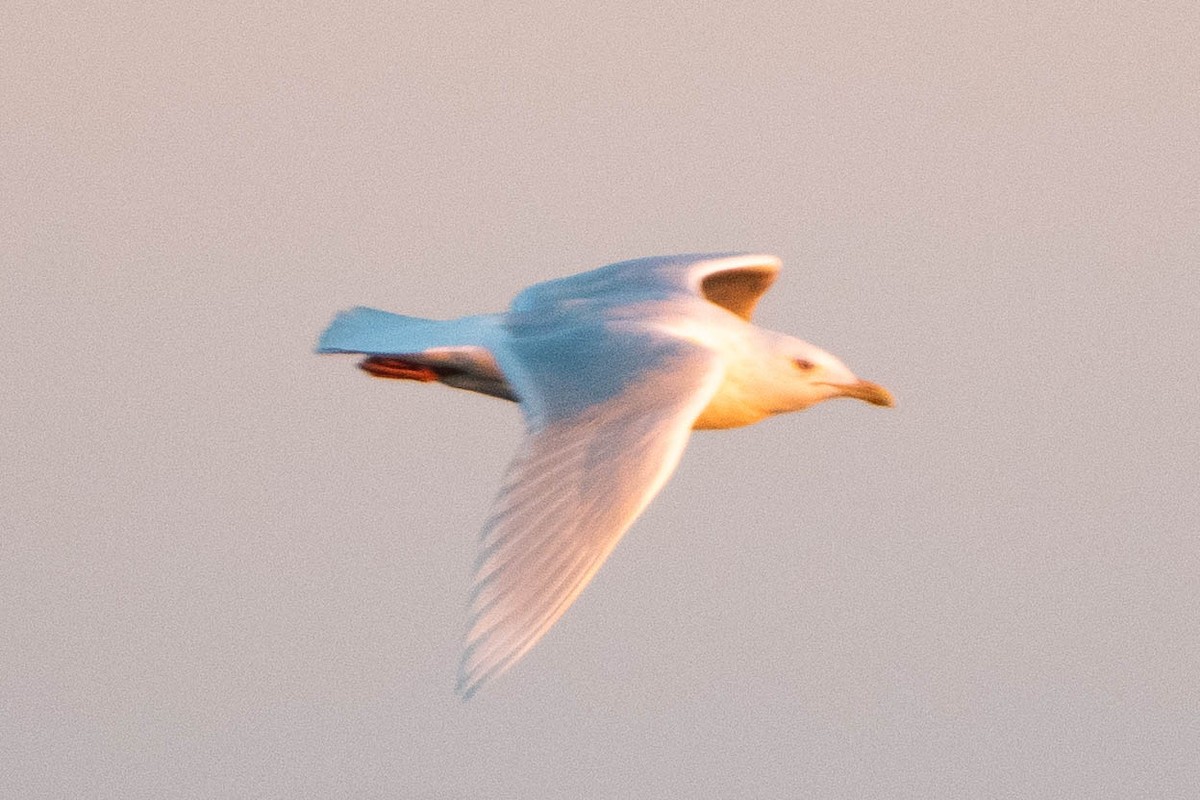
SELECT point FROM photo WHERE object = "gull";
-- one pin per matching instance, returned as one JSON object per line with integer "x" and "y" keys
{"x": 612, "y": 370}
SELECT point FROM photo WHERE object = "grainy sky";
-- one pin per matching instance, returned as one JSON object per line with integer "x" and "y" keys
{"x": 231, "y": 568}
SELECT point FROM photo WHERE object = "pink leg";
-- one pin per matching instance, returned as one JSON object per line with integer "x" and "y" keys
{"x": 397, "y": 368}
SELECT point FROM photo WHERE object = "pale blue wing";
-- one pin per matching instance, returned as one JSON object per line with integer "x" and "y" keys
{"x": 734, "y": 281}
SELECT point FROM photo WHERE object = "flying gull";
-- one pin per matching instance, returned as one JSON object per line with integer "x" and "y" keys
{"x": 612, "y": 370}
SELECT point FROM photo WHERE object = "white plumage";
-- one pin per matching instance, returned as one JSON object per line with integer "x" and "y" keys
{"x": 612, "y": 368}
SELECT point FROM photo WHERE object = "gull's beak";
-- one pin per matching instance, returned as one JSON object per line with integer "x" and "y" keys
{"x": 873, "y": 393}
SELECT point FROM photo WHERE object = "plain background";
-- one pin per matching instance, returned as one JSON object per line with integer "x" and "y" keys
{"x": 230, "y": 568}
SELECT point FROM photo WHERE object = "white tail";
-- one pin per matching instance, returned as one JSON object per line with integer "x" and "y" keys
{"x": 456, "y": 352}
{"x": 371, "y": 331}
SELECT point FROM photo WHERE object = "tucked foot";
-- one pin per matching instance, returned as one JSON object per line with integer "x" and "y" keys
{"x": 397, "y": 369}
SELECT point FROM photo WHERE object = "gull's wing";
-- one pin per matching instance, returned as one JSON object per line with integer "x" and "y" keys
{"x": 734, "y": 281}
{"x": 609, "y": 414}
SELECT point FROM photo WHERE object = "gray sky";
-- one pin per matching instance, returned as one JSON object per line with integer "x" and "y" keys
{"x": 230, "y": 568}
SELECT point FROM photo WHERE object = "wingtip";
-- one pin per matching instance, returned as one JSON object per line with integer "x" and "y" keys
{"x": 476, "y": 670}
{"x": 468, "y": 683}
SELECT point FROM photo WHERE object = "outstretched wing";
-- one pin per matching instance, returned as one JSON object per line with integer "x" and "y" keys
{"x": 734, "y": 281}
{"x": 737, "y": 283}
{"x": 609, "y": 416}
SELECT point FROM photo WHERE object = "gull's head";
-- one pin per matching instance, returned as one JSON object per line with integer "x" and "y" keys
{"x": 804, "y": 374}
{"x": 774, "y": 374}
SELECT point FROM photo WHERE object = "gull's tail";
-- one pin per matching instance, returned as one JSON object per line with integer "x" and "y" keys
{"x": 456, "y": 352}
{"x": 374, "y": 332}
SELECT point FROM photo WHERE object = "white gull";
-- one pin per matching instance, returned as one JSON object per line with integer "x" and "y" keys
{"x": 612, "y": 369}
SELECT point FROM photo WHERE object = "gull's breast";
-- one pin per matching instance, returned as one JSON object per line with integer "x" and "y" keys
{"x": 739, "y": 400}
{"x": 732, "y": 407}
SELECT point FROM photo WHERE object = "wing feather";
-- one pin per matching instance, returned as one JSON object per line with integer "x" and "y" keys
{"x": 734, "y": 281}
{"x": 578, "y": 482}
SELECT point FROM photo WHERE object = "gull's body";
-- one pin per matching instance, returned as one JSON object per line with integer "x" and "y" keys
{"x": 612, "y": 368}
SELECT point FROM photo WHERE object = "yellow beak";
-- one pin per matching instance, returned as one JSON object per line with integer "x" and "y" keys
{"x": 873, "y": 393}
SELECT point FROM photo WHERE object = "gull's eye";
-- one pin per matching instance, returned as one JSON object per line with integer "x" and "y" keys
{"x": 804, "y": 365}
